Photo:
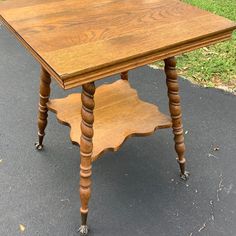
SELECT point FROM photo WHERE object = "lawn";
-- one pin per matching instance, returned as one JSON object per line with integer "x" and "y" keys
{"x": 213, "y": 66}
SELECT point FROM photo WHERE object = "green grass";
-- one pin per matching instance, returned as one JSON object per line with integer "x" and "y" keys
{"x": 213, "y": 66}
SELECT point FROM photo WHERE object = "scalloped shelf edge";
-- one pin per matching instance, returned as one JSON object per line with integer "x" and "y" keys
{"x": 119, "y": 114}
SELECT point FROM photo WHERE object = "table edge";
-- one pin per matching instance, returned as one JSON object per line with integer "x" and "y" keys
{"x": 147, "y": 58}
{"x": 69, "y": 81}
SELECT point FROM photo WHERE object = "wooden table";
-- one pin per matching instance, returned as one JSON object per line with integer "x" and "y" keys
{"x": 79, "y": 42}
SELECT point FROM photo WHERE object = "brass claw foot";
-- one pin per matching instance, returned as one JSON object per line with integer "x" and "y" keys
{"x": 38, "y": 146}
{"x": 185, "y": 176}
{"x": 83, "y": 230}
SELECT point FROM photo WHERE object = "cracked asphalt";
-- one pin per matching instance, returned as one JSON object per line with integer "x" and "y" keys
{"x": 137, "y": 190}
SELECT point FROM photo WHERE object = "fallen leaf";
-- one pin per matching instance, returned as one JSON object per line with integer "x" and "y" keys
{"x": 186, "y": 132}
{"x": 22, "y": 228}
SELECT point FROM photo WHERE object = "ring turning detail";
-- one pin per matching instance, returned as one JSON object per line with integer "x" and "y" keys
{"x": 176, "y": 113}
{"x": 86, "y": 149}
{"x": 45, "y": 81}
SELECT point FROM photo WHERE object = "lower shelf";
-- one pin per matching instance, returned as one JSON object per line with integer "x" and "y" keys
{"x": 119, "y": 114}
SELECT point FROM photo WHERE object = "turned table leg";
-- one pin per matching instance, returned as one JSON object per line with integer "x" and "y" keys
{"x": 124, "y": 75}
{"x": 86, "y": 149}
{"x": 45, "y": 80}
{"x": 175, "y": 111}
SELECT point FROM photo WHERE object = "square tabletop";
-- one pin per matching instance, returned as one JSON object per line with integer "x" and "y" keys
{"x": 79, "y": 41}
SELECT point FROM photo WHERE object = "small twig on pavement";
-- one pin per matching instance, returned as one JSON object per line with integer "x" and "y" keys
{"x": 212, "y": 210}
{"x": 202, "y": 228}
{"x": 211, "y": 155}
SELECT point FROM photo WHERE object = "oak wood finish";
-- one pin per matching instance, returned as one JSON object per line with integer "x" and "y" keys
{"x": 78, "y": 42}
{"x": 86, "y": 149}
{"x": 44, "y": 94}
{"x": 176, "y": 113}
{"x": 82, "y": 41}
{"x": 119, "y": 114}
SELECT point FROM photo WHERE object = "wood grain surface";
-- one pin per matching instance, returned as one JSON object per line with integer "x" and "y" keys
{"x": 118, "y": 114}
{"x": 79, "y": 41}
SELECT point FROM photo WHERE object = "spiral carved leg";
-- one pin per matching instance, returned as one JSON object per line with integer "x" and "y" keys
{"x": 124, "y": 75}
{"x": 86, "y": 148}
{"x": 45, "y": 80}
{"x": 176, "y": 114}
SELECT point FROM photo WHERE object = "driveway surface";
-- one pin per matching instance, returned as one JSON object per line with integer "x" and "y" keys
{"x": 136, "y": 191}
